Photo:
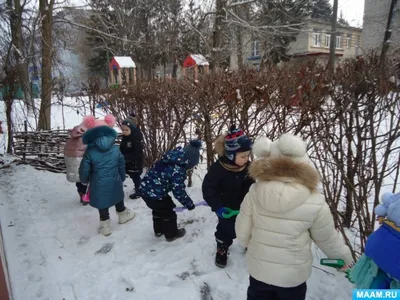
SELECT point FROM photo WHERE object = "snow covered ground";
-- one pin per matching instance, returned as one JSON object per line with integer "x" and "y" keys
{"x": 54, "y": 251}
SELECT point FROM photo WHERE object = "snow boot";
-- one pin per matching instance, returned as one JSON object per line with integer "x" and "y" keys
{"x": 158, "y": 224}
{"x": 105, "y": 228}
{"x": 179, "y": 233}
{"x": 134, "y": 196}
{"x": 222, "y": 255}
{"x": 125, "y": 216}
{"x": 81, "y": 199}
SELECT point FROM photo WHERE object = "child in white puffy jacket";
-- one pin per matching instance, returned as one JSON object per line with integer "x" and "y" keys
{"x": 280, "y": 216}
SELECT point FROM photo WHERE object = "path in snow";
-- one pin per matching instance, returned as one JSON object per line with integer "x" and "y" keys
{"x": 54, "y": 251}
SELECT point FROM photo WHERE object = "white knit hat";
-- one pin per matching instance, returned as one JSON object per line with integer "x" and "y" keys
{"x": 287, "y": 145}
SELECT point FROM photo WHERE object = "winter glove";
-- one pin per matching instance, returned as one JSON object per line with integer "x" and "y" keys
{"x": 221, "y": 211}
{"x": 191, "y": 207}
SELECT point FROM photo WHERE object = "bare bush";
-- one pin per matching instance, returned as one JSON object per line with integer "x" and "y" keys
{"x": 356, "y": 144}
{"x": 350, "y": 120}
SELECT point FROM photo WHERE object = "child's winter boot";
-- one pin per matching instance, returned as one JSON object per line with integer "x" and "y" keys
{"x": 179, "y": 233}
{"x": 171, "y": 230}
{"x": 125, "y": 216}
{"x": 222, "y": 255}
{"x": 158, "y": 226}
{"x": 134, "y": 196}
{"x": 105, "y": 228}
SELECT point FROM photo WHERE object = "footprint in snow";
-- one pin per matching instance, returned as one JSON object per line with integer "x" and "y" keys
{"x": 105, "y": 248}
{"x": 83, "y": 240}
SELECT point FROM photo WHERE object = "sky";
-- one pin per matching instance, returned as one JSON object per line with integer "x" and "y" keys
{"x": 353, "y": 11}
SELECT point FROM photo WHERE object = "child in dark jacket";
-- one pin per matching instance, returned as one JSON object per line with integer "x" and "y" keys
{"x": 226, "y": 184}
{"x": 103, "y": 168}
{"x": 132, "y": 149}
{"x": 166, "y": 175}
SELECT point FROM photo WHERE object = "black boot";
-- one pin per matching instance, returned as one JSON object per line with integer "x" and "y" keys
{"x": 134, "y": 196}
{"x": 171, "y": 230}
{"x": 222, "y": 255}
{"x": 179, "y": 233}
{"x": 158, "y": 226}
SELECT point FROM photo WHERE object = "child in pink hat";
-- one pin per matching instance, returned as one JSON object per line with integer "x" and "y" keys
{"x": 104, "y": 166}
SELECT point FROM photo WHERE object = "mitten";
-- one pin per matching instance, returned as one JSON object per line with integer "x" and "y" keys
{"x": 221, "y": 211}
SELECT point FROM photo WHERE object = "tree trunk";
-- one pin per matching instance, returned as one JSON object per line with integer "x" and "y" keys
{"x": 15, "y": 17}
{"x": 46, "y": 12}
{"x": 216, "y": 49}
{"x": 9, "y": 105}
{"x": 332, "y": 44}
{"x": 175, "y": 68}
{"x": 388, "y": 33}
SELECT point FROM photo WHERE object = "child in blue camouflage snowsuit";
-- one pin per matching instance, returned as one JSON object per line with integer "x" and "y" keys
{"x": 168, "y": 175}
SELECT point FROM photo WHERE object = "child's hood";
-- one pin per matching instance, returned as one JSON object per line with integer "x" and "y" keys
{"x": 219, "y": 147}
{"x": 102, "y": 137}
{"x": 282, "y": 184}
{"x": 175, "y": 156}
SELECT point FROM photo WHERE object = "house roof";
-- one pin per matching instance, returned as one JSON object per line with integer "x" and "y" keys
{"x": 340, "y": 26}
{"x": 195, "y": 59}
{"x": 303, "y": 54}
{"x": 124, "y": 62}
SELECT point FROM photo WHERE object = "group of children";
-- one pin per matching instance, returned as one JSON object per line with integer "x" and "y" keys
{"x": 280, "y": 208}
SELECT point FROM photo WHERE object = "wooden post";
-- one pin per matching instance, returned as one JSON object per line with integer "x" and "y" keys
{"x": 134, "y": 75}
{"x": 111, "y": 77}
{"x": 126, "y": 70}
{"x": 25, "y": 140}
{"x": 206, "y": 69}
{"x": 184, "y": 72}
{"x": 196, "y": 72}
{"x": 119, "y": 77}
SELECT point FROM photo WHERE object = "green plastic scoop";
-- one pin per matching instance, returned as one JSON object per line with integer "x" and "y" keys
{"x": 231, "y": 213}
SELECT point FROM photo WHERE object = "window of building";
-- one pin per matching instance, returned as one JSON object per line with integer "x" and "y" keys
{"x": 255, "y": 49}
{"x": 327, "y": 40}
{"x": 316, "y": 39}
{"x": 338, "y": 42}
{"x": 348, "y": 42}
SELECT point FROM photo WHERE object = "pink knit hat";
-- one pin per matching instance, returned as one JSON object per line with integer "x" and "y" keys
{"x": 91, "y": 122}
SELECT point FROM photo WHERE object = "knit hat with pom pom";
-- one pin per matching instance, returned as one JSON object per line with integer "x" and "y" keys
{"x": 192, "y": 153}
{"x": 288, "y": 145}
{"x": 389, "y": 207}
{"x": 236, "y": 141}
{"x": 91, "y": 122}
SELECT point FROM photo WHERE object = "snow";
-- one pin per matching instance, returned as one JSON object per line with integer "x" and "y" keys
{"x": 199, "y": 59}
{"x": 52, "y": 248}
{"x": 125, "y": 62}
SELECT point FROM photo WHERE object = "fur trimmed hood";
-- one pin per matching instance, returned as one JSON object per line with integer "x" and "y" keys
{"x": 284, "y": 169}
{"x": 219, "y": 147}
{"x": 282, "y": 183}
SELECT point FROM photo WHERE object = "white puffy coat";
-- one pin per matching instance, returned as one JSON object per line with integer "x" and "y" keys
{"x": 279, "y": 217}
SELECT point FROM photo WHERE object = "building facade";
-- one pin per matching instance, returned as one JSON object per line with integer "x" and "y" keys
{"x": 376, "y": 14}
{"x": 312, "y": 41}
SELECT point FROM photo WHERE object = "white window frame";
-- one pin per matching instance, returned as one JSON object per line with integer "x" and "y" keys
{"x": 327, "y": 40}
{"x": 338, "y": 42}
{"x": 316, "y": 37}
{"x": 348, "y": 42}
{"x": 255, "y": 48}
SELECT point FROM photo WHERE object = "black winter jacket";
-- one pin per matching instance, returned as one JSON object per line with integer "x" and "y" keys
{"x": 132, "y": 149}
{"x": 223, "y": 187}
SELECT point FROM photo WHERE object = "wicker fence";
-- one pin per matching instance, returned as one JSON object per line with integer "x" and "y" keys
{"x": 44, "y": 150}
